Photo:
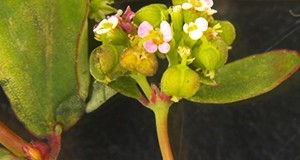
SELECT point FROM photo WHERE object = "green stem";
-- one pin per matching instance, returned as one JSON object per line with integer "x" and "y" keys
{"x": 14, "y": 143}
{"x": 143, "y": 83}
{"x": 161, "y": 117}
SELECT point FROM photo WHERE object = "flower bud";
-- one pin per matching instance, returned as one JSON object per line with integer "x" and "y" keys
{"x": 207, "y": 57}
{"x": 177, "y": 18}
{"x": 210, "y": 56}
{"x": 104, "y": 63}
{"x": 228, "y": 32}
{"x": 180, "y": 81}
{"x": 154, "y": 14}
{"x": 137, "y": 60}
{"x": 223, "y": 51}
{"x": 116, "y": 37}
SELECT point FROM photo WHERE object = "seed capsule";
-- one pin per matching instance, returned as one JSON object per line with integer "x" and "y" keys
{"x": 137, "y": 60}
{"x": 228, "y": 34}
{"x": 180, "y": 81}
{"x": 210, "y": 56}
{"x": 104, "y": 63}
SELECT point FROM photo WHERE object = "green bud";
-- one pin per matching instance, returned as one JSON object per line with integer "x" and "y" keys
{"x": 206, "y": 57}
{"x": 228, "y": 32}
{"x": 154, "y": 14}
{"x": 104, "y": 63}
{"x": 177, "y": 18}
{"x": 116, "y": 37}
{"x": 137, "y": 60}
{"x": 180, "y": 81}
{"x": 210, "y": 56}
{"x": 223, "y": 51}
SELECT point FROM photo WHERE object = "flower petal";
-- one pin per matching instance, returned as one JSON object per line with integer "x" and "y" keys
{"x": 208, "y": 3}
{"x": 114, "y": 21}
{"x": 144, "y": 29}
{"x": 196, "y": 34}
{"x": 102, "y": 30}
{"x": 100, "y": 25}
{"x": 150, "y": 46}
{"x": 165, "y": 29}
{"x": 200, "y": 9}
{"x": 187, "y": 6}
{"x": 164, "y": 47}
{"x": 202, "y": 24}
{"x": 186, "y": 28}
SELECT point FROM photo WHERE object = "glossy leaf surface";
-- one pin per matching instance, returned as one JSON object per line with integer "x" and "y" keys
{"x": 43, "y": 59}
{"x": 249, "y": 77}
{"x": 126, "y": 86}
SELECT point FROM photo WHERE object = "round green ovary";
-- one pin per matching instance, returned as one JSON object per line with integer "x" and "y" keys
{"x": 180, "y": 81}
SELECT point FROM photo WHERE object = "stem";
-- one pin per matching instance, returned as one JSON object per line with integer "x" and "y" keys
{"x": 12, "y": 142}
{"x": 54, "y": 142}
{"x": 161, "y": 118}
{"x": 143, "y": 83}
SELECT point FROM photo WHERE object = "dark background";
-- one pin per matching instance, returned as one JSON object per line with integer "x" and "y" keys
{"x": 263, "y": 128}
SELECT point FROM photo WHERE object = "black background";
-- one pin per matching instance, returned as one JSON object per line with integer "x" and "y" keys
{"x": 263, "y": 128}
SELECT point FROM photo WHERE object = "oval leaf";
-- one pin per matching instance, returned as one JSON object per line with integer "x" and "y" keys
{"x": 101, "y": 93}
{"x": 249, "y": 77}
{"x": 126, "y": 86}
{"x": 39, "y": 45}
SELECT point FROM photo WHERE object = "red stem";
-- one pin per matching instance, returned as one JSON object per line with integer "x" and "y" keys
{"x": 54, "y": 142}
{"x": 11, "y": 141}
{"x": 163, "y": 136}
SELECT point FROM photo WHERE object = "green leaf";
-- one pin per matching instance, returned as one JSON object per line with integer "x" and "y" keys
{"x": 40, "y": 43}
{"x": 126, "y": 86}
{"x": 249, "y": 77}
{"x": 6, "y": 155}
{"x": 100, "y": 8}
{"x": 153, "y": 13}
{"x": 101, "y": 93}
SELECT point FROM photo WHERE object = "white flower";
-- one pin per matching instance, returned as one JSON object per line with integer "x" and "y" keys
{"x": 199, "y": 5}
{"x": 106, "y": 25}
{"x": 196, "y": 29}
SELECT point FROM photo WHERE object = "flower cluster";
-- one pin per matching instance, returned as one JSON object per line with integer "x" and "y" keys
{"x": 194, "y": 43}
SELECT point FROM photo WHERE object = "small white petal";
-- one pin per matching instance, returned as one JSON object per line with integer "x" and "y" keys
{"x": 187, "y": 6}
{"x": 186, "y": 28}
{"x": 102, "y": 31}
{"x": 200, "y": 9}
{"x": 202, "y": 24}
{"x": 100, "y": 25}
{"x": 196, "y": 34}
{"x": 114, "y": 21}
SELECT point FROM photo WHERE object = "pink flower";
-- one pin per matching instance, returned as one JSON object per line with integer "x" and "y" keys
{"x": 159, "y": 39}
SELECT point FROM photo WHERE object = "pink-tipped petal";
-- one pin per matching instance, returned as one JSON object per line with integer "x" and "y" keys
{"x": 208, "y": 3}
{"x": 164, "y": 48}
{"x": 150, "y": 46}
{"x": 165, "y": 29}
{"x": 144, "y": 29}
